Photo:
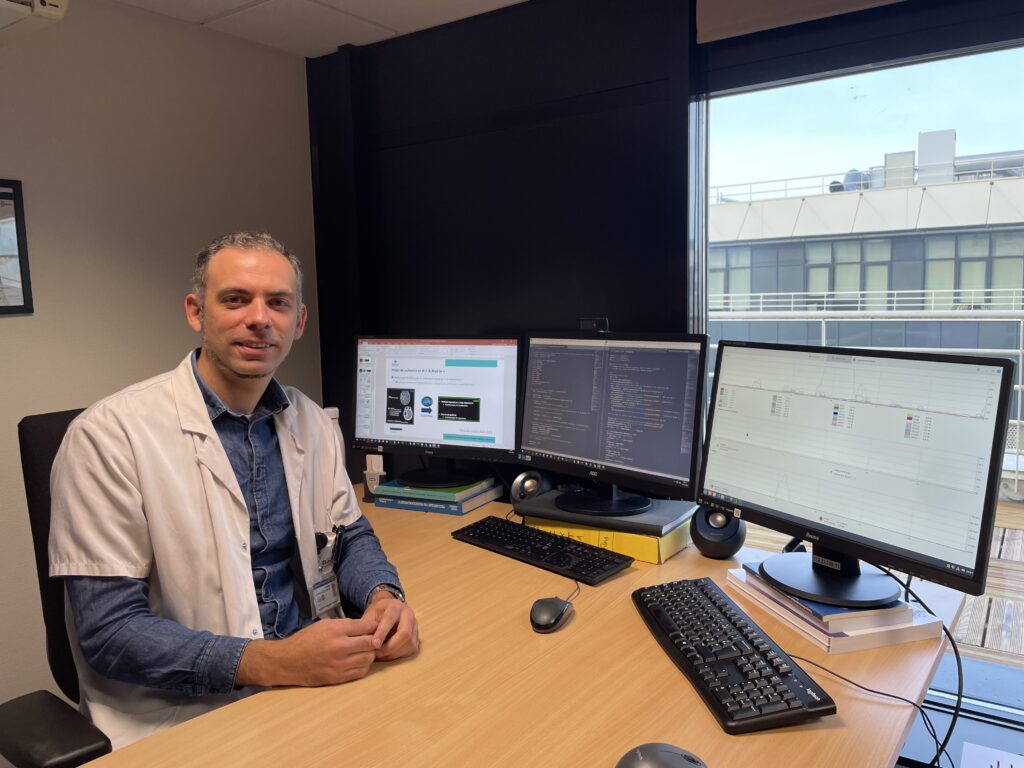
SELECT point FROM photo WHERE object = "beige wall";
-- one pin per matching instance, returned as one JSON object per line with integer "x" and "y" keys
{"x": 137, "y": 139}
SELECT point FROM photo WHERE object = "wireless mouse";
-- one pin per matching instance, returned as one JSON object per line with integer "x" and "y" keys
{"x": 549, "y": 614}
{"x": 659, "y": 756}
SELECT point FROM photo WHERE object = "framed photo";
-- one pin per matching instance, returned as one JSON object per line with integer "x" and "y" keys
{"x": 15, "y": 286}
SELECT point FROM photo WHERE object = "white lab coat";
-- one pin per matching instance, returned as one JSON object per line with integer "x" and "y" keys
{"x": 142, "y": 487}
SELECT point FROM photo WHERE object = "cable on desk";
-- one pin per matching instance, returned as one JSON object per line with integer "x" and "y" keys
{"x": 797, "y": 545}
{"x": 959, "y": 671}
{"x": 924, "y": 715}
{"x": 572, "y": 595}
{"x": 940, "y": 748}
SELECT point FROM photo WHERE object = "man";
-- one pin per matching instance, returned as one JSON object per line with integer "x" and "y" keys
{"x": 205, "y": 524}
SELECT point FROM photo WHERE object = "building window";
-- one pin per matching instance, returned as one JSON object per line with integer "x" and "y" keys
{"x": 939, "y": 254}
{"x": 738, "y": 262}
{"x": 877, "y": 254}
{"x": 1007, "y": 270}
{"x": 819, "y": 271}
{"x": 973, "y": 246}
{"x": 902, "y": 200}
{"x": 716, "y": 278}
{"x": 972, "y": 282}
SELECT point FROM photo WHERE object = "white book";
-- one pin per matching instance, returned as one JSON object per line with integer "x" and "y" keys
{"x": 842, "y": 619}
{"x": 921, "y": 626}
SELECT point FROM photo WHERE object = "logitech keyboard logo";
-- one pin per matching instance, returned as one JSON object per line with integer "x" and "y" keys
{"x": 812, "y": 694}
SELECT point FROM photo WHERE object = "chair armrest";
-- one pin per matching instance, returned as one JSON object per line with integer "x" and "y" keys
{"x": 39, "y": 730}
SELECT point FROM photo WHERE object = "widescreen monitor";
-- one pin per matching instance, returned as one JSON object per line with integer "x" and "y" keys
{"x": 889, "y": 457}
{"x": 452, "y": 398}
{"x": 618, "y": 410}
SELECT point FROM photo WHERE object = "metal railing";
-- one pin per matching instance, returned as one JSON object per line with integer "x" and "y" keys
{"x": 959, "y": 300}
{"x": 963, "y": 169}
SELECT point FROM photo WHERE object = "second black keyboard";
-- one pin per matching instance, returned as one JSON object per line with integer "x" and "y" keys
{"x": 572, "y": 559}
{"x": 745, "y": 679}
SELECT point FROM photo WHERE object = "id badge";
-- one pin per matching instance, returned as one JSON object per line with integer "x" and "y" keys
{"x": 326, "y": 595}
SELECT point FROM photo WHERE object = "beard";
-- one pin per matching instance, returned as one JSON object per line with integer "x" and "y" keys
{"x": 216, "y": 360}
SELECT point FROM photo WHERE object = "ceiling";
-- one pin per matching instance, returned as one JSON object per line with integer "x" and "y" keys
{"x": 316, "y": 27}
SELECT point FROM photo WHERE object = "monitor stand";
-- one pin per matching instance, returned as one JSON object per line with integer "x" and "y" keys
{"x": 439, "y": 473}
{"x": 829, "y": 577}
{"x": 605, "y": 500}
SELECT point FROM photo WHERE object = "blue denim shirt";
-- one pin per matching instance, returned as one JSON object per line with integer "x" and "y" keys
{"x": 250, "y": 442}
{"x": 122, "y": 639}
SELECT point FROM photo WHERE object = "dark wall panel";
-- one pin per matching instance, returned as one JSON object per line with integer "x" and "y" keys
{"x": 535, "y": 52}
{"x": 509, "y": 172}
{"x": 339, "y": 170}
{"x": 534, "y": 227}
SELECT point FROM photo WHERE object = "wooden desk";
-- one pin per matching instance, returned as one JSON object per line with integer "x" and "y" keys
{"x": 486, "y": 690}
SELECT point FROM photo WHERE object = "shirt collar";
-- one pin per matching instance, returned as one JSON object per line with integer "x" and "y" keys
{"x": 273, "y": 401}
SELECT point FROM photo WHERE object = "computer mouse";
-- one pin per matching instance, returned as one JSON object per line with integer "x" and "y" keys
{"x": 549, "y": 614}
{"x": 659, "y": 756}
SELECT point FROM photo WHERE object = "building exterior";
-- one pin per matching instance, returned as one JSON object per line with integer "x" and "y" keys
{"x": 905, "y": 255}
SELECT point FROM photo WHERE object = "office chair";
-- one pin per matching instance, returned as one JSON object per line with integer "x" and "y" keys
{"x": 38, "y": 729}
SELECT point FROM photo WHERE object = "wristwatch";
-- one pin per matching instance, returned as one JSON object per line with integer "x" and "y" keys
{"x": 385, "y": 588}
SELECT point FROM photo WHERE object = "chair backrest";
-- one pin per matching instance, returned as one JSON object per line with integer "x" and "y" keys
{"x": 40, "y": 437}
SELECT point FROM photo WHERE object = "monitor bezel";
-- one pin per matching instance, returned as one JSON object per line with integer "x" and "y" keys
{"x": 433, "y": 450}
{"x": 648, "y": 483}
{"x": 827, "y": 537}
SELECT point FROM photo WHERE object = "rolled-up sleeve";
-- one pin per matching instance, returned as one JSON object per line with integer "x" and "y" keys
{"x": 363, "y": 563}
{"x": 121, "y": 639}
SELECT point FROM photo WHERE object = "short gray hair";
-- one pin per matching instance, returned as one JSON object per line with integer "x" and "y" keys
{"x": 247, "y": 241}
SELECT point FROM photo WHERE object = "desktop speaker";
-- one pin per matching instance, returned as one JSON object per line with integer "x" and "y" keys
{"x": 717, "y": 534}
{"x": 527, "y": 485}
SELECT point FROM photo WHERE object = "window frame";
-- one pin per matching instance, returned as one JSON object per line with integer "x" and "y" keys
{"x": 892, "y": 35}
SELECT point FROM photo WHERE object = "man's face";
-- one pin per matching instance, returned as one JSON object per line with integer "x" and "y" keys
{"x": 250, "y": 314}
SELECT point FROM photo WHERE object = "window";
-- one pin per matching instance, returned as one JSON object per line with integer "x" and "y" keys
{"x": 973, "y": 246}
{"x": 1007, "y": 269}
{"x": 865, "y": 267}
{"x": 939, "y": 253}
{"x": 819, "y": 272}
{"x": 716, "y": 278}
{"x": 819, "y": 253}
{"x": 738, "y": 262}
{"x": 877, "y": 250}
{"x": 938, "y": 284}
{"x": 817, "y": 280}
{"x": 972, "y": 282}
{"x": 877, "y": 253}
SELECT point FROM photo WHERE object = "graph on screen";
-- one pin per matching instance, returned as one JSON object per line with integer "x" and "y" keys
{"x": 889, "y": 449}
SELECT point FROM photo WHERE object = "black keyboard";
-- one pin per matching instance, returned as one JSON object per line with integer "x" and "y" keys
{"x": 745, "y": 679}
{"x": 572, "y": 559}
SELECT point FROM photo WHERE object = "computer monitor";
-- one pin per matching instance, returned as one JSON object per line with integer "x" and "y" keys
{"x": 443, "y": 399}
{"x": 616, "y": 409}
{"x": 889, "y": 457}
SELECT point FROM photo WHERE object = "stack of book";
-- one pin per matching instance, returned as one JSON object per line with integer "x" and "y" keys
{"x": 448, "y": 501}
{"x": 652, "y": 536}
{"x": 838, "y": 629}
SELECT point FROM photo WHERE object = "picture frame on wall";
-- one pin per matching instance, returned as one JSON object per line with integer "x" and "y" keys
{"x": 15, "y": 285}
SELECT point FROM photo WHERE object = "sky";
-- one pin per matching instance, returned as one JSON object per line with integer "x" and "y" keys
{"x": 831, "y": 126}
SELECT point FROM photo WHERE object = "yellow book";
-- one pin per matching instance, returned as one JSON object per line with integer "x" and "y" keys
{"x": 650, "y": 549}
